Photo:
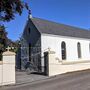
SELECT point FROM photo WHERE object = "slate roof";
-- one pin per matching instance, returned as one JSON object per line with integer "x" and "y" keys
{"x": 49, "y": 27}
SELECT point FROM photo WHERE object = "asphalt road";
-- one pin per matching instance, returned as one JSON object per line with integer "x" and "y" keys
{"x": 70, "y": 81}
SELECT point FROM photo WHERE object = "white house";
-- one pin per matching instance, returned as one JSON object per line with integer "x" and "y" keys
{"x": 69, "y": 43}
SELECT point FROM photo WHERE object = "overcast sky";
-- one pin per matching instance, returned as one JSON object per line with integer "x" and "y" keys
{"x": 71, "y": 12}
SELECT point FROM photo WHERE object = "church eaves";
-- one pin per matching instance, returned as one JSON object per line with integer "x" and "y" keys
{"x": 49, "y": 27}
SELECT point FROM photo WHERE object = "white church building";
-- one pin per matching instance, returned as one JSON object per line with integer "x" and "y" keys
{"x": 71, "y": 45}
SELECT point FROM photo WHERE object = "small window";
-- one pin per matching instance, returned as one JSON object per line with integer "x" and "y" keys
{"x": 29, "y": 51}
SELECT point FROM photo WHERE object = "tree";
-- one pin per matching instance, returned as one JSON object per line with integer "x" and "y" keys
{"x": 13, "y": 44}
{"x": 8, "y": 9}
{"x": 3, "y": 40}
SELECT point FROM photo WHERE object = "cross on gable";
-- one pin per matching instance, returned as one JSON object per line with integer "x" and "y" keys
{"x": 8, "y": 48}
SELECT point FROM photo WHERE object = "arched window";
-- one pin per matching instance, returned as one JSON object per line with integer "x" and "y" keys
{"x": 63, "y": 50}
{"x": 89, "y": 47}
{"x": 79, "y": 50}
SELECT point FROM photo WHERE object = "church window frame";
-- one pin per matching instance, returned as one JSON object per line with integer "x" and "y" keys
{"x": 63, "y": 50}
{"x": 79, "y": 49}
{"x": 30, "y": 51}
{"x": 89, "y": 47}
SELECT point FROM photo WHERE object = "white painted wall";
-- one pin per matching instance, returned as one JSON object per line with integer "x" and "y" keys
{"x": 56, "y": 68}
{"x": 7, "y": 69}
{"x": 0, "y": 73}
{"x": 54, "y": 42}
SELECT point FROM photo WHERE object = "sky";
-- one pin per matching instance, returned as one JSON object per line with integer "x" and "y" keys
{"x": 70, "y": 12}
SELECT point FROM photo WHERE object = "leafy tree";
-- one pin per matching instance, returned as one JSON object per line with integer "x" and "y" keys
{"x": 13, "y": 44}
{"x": 3, "y": 40}
{"x": 8, "y": 9}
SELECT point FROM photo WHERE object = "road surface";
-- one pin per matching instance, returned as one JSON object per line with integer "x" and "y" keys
{"x": 70, "y": 81}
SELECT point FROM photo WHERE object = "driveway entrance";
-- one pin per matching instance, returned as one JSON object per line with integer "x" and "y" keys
{"x": 22, "y": 77}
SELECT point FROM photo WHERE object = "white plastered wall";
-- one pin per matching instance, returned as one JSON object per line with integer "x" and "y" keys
{"x": 54, "y": 42}
{"x": 55, "y": 68}
{"x": 7, "y": 68}
{"x": 0, "y": 73}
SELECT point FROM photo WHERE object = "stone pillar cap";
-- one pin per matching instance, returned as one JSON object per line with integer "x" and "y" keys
{"x": 1, "y": 62}
{"x": 7, "y": 53}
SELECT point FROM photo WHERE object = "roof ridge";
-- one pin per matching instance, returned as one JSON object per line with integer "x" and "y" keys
{"x": 59, "y": 23}
{"x": 50, "y": 27}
